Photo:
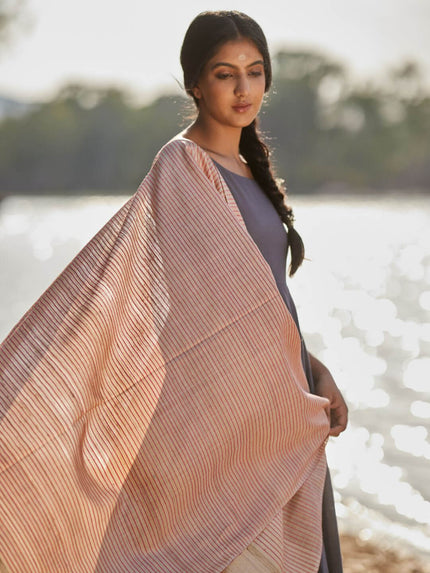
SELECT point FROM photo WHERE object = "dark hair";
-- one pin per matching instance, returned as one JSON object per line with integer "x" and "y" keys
{"x": 205, "y": 35}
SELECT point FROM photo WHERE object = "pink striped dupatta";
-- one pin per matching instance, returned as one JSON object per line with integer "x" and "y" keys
{"x": 155, "y": 416}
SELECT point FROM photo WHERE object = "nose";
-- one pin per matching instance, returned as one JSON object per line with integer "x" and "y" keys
{"x": 242, "y": 86}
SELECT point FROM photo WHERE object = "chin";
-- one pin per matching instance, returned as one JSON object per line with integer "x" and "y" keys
{"x": 243, "y": 121}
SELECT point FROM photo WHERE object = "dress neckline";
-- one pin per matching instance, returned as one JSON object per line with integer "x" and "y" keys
{"x": 181, "y": 137}
{"x": 232, "y": 172}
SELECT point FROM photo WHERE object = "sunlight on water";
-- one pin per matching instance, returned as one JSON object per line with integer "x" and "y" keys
{"x": 364, "y": 305}
{"x": 409, "y": 262}
{"x": 358, "y": 384}
{"x": 424, "y": 300}
{"x": 38, "y": 237}
{"x": 15, "y": 223}
{"x": 382, "y": 481}
{"x": 420, "y": 409}
{"x": 412, "y": 439}
{"x": 417, "y": 375}
{"x": 45, "y": 225}
{"x": 425, "y": 332}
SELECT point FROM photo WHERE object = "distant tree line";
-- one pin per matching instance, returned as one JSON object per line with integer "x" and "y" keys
{"x": 327, "y": 133}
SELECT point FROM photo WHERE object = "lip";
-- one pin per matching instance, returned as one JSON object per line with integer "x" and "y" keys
{"x": 242, "y": 107}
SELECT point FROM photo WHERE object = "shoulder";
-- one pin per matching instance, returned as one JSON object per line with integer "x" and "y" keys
{"x": 182, "y": 171}
{"x": 180, "y": 150}
{"x": 184, "y": 158}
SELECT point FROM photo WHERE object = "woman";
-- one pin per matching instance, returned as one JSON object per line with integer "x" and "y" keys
{"x": 156, "y": 405}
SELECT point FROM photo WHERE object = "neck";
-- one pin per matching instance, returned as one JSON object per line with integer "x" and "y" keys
{"x": 219, "y": 140}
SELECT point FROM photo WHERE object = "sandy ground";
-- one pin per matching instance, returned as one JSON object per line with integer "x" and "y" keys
{"x": 364, "y": 557}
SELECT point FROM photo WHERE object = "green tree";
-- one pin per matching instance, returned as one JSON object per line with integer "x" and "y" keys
{"x": 296, "y": 112}
{"x": 326, "y": 133}
{"x": 85, "y": 139}
{"x": 409, "y": 165}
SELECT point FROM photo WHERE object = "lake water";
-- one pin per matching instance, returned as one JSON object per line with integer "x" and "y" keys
{"x": 364, "y": 303}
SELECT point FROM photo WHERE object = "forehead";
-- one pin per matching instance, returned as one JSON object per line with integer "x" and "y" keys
{"x": 237, "y": 52}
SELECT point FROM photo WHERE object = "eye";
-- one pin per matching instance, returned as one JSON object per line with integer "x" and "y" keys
{"x": 223, "y": 75}
{"x": 255, "y": 73}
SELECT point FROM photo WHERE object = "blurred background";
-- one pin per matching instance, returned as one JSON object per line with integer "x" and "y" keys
{"x": 89, "y": 91}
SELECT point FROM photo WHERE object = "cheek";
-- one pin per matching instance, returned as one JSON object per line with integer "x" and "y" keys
{"x": 217, "y": 94}
{"x": 261, "y": 86}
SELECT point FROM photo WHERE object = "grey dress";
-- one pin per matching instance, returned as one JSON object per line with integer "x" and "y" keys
{"x": 267, "y": 230}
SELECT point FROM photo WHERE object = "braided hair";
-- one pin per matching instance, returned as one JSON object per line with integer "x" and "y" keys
{"x": 205, "y": 35}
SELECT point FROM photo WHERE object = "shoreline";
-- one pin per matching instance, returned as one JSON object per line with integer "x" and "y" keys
{"x": 361, "y": 556}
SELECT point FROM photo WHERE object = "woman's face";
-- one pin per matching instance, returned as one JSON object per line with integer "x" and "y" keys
{"x": 231, "y": 87}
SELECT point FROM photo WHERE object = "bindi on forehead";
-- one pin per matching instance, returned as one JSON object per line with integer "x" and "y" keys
{"x": 241, "y": 57}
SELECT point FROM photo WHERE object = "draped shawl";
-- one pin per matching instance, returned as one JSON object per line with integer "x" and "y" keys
{"x": 155, "y": 415}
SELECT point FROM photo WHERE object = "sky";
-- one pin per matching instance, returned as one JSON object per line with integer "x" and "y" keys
{"x": 135, "y": 44}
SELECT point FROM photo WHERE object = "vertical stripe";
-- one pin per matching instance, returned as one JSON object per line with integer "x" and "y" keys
{"x": 155, "y": 414}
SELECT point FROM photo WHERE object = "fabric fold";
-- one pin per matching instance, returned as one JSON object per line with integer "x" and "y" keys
{"x": 155, "y": 412}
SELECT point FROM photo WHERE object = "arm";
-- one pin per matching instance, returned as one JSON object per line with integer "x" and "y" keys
{"x": 325, "y": 386}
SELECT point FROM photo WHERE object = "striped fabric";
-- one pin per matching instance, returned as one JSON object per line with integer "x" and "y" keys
{"x": 155, "y": 416}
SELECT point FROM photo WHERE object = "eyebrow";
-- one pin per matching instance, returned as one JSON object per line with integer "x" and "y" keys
{"x": 218, "y": 64}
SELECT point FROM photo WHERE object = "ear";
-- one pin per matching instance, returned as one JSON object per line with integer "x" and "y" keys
{"x": 196, "y": 92}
